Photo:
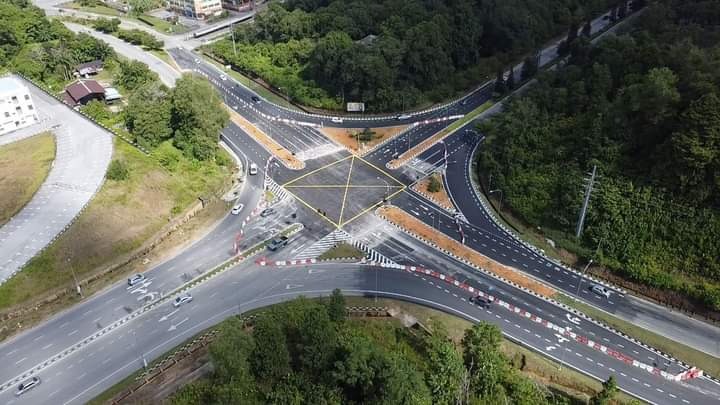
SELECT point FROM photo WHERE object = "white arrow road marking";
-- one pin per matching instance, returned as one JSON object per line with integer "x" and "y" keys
{"x": 140, "y": 290}
{"x": 573, "y": 319}
{"x": 165, "y": 317}
{"x": 560, "y": 338}
{"x": 291, "y": 286}
{"x": 174, "y": 326}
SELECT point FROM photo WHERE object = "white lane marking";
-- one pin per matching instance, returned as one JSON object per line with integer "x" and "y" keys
{"x": 73, "y": 332}
{"x": 20, "y": 361}
{"x": 47, "y": 346}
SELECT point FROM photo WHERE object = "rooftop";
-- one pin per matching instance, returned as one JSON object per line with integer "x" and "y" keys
{"x": 9, "y": 83}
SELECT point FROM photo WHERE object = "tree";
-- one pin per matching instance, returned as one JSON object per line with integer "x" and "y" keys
{"x": 510, "y": 82}
{"x": 608, "y": 392}
{"x": 96, "y": 109}
{"x": 500, "y": 87}
{"x": 434, "y": 185}
{"x": 445, "y": 371}
{"x": 134, "y": 74}
{"x": 138, "y": 7}
{"x": 336, "y": 306}
{"x": 482, "y": 356}
{"x": 118, "y": 170}
{"x": 587, "y": 28}
{"x": 270, "y": 360}
{"x": 147, "y": 115}
{"x": 197, "y": 117}
{"x": 529, "y": 67}
{"x": 106, "y": 25}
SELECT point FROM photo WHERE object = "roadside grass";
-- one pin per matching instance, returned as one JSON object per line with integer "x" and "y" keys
{"x": 24, "y": 165}
{"x": 99, "y": 9}
{"x": 157, "y": 24}
{"x": 704, "y": 361}
{"x": 121, "y": 217}
{"x": 247, "y": 82}
{"x": 566, "y": 381}
{"x": 342, "y": 251}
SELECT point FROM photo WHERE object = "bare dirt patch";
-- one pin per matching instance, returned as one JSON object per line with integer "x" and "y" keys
{"x": 24, "y": 165}
{"x": 440, "y": 197}
{"x": 348, "y": 137}
{"x": 409, "y": 223}
{"x": 266, "y": 141}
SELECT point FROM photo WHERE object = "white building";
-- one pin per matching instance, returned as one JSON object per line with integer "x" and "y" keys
{"x": 200, "y": 9}
{"x": 16, "y": 107}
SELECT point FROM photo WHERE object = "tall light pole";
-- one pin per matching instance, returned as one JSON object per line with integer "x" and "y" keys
{"x": 581, "y": 276}
{"x": 497, "y": 190}
{"x": 387, "y": 187}
{"x": 140, "y": 353}
{"x": 77, "y": 285}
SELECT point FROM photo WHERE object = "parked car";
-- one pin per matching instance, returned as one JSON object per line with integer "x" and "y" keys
{"x": 135, "y": 279}
{"x": 337, "y": 120}
{"x": 237, "y": 208}
{"x": 253, "y": 169}
{"x": 277, "y": 243}
{"x": 182, "y": 299}
{"x": 255, "y": 99}
{"x": 27, "y": 385}
{"x": 600, "y": 290}
{"x": 267, "y": 212}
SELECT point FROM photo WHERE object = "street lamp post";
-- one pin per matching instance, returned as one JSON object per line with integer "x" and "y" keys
{"x": 577, "y": 293}
{"x": 140, "y": 353}
{"x": 77, "y": 285}
{"x": 387, "y": 187}
{"x": 497, "y": 190}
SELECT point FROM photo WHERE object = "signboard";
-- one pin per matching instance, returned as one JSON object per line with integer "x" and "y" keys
{"x": 355, "y": 107}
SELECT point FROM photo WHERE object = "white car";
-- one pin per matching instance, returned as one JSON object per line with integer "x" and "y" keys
{"x": 135, "y": 279}
{"x": 253, "y": 169}
{"x": 182, "y": 299}
{"x": 237, "y": 208}
{"x": 223, "y": 77}
{"x": 27, "y": 385}
{"x": 336, "y": 120}
{"x": 404, "y": 116}
{"x": 600, "y": 290}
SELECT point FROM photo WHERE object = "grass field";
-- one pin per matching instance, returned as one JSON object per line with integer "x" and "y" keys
{"x": 704, "y": 361}
{"x": 120, "y": 218}
{"x": 342, "y": 251}
{"x": 24, "y": 165}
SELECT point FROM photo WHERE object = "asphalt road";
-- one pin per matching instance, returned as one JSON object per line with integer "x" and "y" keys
{"x": 83, "y": 152}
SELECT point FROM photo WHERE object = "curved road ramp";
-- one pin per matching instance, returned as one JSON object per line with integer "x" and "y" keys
{"x": 83, "y": 152}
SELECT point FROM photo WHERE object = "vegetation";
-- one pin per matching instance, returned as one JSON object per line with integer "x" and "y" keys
{"x": 392, "y": 54}
{"x": 24, "y": 165}
{"x": 307, "y": 352}
{"x": 644, "y": 108}
{"x": 342, "y": 251}
{"x": 434, "y": 184}
{"x": 140, "y": 38}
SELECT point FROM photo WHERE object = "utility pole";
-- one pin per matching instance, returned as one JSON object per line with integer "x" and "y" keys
{"x": 588, "y": 190}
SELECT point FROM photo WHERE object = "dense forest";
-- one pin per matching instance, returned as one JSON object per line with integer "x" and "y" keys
{"x": 307, "y": 352}
{"x": 645, "y": 108}
{"x": 393, "y": 54}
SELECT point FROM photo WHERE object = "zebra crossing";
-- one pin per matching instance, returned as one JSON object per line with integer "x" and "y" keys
{"x": 319, "y": 151}
{"x": 324, "y": 244}
{"x": 371, "y": 255}
{"x": 278, "y": 191}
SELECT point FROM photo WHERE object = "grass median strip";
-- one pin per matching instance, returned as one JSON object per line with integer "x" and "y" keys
{"x": 342, "y": 251}
{"x": 360, "y": 140}
{"x": 434, "y": 187}
{"x": 704, "y": 361}
{"x": 414, "y": 226}
{"x": 266, "y": 141}
{"x": 444, "y": 133}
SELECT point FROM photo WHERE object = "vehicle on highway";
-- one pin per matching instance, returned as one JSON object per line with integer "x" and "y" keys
{"x": 135, "y": 279}
{"x": 277, "y": 242}
{"x": 197, "y": 60}
{"x": 465, "y": 101}
{"x": 27, "y": 385}
{"x": 267, "y": 212}
{"x": 223, "y": 77}
{"x": 253, "y": 169}
{"x": 482, "y": 301}
{"x": 404, "y": 116}
{"x": 600, "y": 290}
{"x": 255, "y": 99}
{"x": 237, "y": 208}
{"x": 182, "y": 299}
{"x": 337, "y": 120}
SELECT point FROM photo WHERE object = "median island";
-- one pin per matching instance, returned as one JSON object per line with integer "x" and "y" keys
{"x": 428, "y": 234}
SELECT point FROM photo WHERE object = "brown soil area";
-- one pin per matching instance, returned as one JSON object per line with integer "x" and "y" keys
{"x": 408, "y": 222}
{"x": 24, "y": 165}
{"x": 346, "y": 137}
{"x": 270, "y": 144}
{"x": 441, "y": 197}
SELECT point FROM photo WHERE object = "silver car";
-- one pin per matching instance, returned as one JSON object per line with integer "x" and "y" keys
{"x": 27, "y": 385}
{"x": 600, "y": 290}
{"x": 135, "y": 279}
{"x": 182, "y": 299}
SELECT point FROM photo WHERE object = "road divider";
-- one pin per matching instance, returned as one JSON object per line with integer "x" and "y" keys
{"x": 444, "y": 133}
{"x": 217, "y": 270}
{"x": 413, "y": 226}
{"x": 267, "y": 142}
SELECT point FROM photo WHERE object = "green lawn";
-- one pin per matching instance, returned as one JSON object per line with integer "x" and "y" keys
{"x": 99, "y": 9}
{"x": 24, "y": 165}
{"x": 342, "y": 251}
{"x": 704, "y": 361}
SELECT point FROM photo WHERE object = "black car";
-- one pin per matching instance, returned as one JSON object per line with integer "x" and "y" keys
{"x": 267, "y": 212}
{"x": 255, "y": 99}
{"x": 277, "y": 243}
{"x": 481, "y": 301}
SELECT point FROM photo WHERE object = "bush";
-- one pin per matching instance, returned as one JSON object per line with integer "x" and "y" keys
{"x": 118, "y": 171}
{"x": 106, "y": 25}
{"x": 434, "y": 185}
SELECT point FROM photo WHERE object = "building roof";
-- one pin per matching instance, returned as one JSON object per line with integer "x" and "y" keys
{"x": 89, "y": 67}
{"x": 111, "y": 93}
{"x": 10, "y": 84}
{"x": 83, "y": 88}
